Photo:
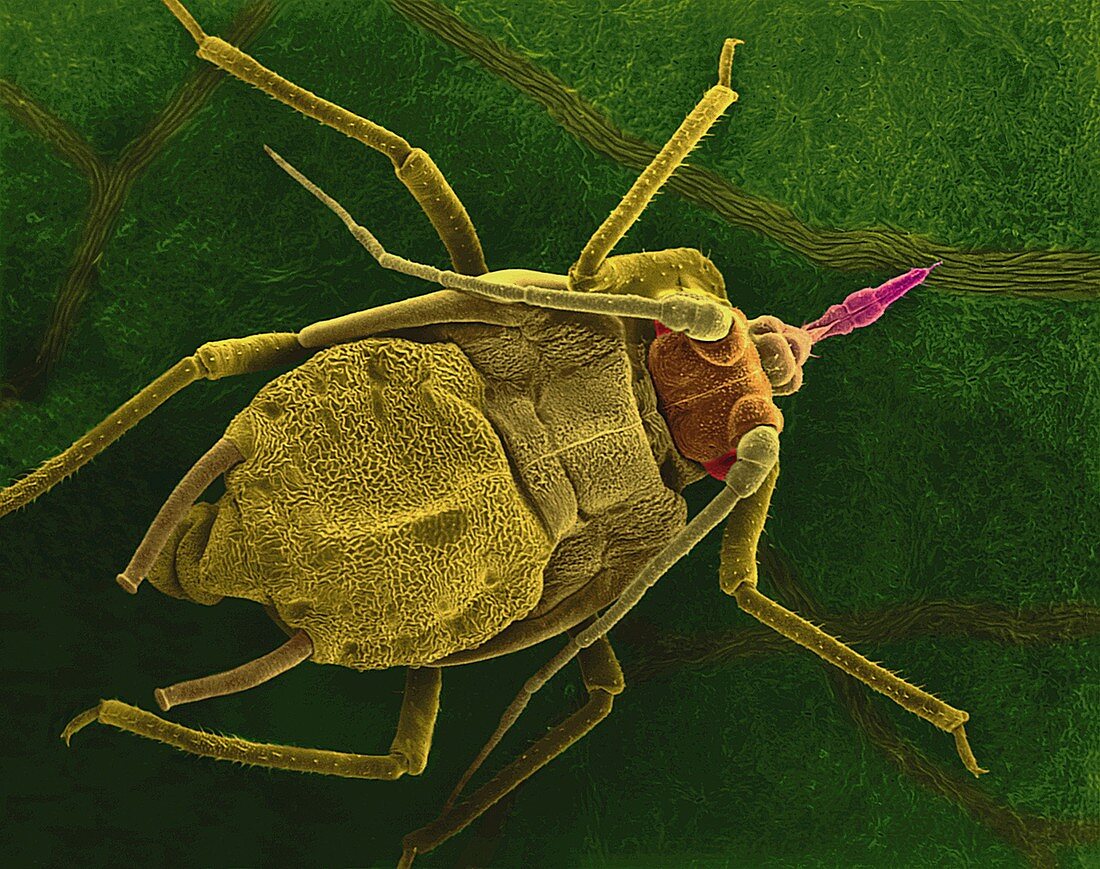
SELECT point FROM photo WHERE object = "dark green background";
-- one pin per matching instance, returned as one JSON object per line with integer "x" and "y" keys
{"x": 950, "y": 451}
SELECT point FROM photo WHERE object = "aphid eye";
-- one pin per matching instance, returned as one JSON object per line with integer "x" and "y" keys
{"x": 799, "y": 343}
{"x": 777, "y": 356}
{"x": 791, "y": 386}
{"x": 765, "y": 325}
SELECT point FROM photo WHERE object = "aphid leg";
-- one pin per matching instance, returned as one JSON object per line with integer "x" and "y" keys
{"x": 211, "y": 361}
{"x": 706, "y": 319}
{"x": 738, "y": 578}
{"x": 757, "y": 454}
{"x": 603, "y": 678}
{"x": 413, "y": 166}
{"x": 714, "y": 102}
{"x": 218, "y": 459}
{"x": 443, "y": 306}
{"x": 218, "y": 359}
{"x": 797, "y": 629}
{"x": 289, "y": 655}
{"x": 408, "y": 751}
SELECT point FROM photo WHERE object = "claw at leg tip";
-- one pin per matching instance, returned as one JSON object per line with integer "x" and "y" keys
{"x": 725, "y": 61}
{"x": 962, "y": 746}
{"x": 79, "y": 722}
{"x": 976, "y": 770}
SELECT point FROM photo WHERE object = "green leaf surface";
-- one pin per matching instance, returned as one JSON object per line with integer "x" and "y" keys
{"x": 948, "y": 453}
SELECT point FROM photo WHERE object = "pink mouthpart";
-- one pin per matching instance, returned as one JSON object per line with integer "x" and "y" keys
{"x": 865, "y": 306}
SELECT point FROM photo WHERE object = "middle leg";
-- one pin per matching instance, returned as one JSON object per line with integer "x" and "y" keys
{"x": 700, "y": 316}
{"x": 413, "y": 166}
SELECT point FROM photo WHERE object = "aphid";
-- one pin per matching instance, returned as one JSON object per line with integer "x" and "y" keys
{"x": 434, "y": 485}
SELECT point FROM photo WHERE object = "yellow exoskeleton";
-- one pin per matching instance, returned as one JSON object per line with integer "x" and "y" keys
{"x": 464, "y": 474}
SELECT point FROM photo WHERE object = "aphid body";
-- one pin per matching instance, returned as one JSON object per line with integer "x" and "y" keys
{"x": 461, "y": 475}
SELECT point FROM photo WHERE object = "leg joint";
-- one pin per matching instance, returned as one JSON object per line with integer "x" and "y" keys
{"x": 398, "y": 766}
{"x": 600, "y": 669}
{"x": 601, "y": 700}
{"x": 218, "y": 359}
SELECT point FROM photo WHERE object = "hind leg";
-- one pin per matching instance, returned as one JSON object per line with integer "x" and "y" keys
{"x": 212, "y": 361}
{"x": 408, "y": 751}
{"x": 232, "y": 356}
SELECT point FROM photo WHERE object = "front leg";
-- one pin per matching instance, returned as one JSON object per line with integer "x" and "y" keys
{"x": 738, "y": 577}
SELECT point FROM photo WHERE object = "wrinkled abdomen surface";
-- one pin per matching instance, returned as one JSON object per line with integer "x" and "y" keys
{"x": 572, "y": 401}
{"x": 375, "y": 508}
